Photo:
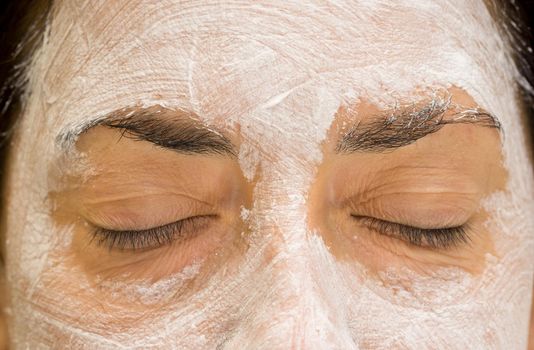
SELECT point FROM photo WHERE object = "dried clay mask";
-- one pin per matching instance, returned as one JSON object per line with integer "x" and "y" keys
{"x": 270, "y": 175}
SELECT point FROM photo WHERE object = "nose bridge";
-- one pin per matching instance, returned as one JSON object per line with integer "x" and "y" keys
{"x": 311, "y": 316}
{"x": 299, "y": 310}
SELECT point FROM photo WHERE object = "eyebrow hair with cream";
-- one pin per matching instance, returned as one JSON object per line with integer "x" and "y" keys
{"x": 405, "y": 126}
{"x": 177, "y": 130}
{"x": 182, "y": 131}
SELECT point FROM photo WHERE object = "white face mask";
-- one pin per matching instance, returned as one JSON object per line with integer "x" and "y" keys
{"x": 279, "y": 71}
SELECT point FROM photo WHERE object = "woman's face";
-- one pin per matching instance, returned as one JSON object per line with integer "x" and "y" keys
{"x": 274, "y": 175}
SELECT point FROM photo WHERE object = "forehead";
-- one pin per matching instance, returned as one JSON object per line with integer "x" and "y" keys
{"x": 229, "y": 60}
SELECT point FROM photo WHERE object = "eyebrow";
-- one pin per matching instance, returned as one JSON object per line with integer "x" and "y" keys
{"x": 182, "y": 131}
{"x": 402, "y": 127}
{"x": 177, "y": 130}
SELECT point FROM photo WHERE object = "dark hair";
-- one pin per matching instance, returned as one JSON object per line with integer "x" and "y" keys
{"x": 516, "y": 20}
{"x": 22, "y": 24}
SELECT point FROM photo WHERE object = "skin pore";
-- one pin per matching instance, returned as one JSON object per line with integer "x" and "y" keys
{"x": 186, "y": 177}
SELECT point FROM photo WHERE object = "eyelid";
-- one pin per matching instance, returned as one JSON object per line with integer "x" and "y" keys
{"x": 151, "y": 238}
{"x": 434, "y": 238}
{"x": 138, "y": 212}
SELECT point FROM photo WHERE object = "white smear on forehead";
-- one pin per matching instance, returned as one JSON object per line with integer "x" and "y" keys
{"x": 279, "y": 69}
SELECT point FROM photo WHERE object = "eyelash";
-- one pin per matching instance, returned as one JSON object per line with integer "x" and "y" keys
{"x": 151, "y": 238}
{"x": 436, "y": 238}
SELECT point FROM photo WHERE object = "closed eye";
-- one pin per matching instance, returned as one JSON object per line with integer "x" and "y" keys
{"x": 151, "y": 238}
{"x": 435, "y": 238}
